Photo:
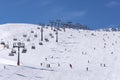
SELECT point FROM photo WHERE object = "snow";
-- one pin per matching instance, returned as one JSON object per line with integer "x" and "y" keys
{"x": 97, "y": 51}
{"x": 6, "y": 61}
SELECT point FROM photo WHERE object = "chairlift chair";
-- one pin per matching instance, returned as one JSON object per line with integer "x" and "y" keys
{"x": 7, "y": 46}
{"x": 24, "y": 35}
{"x": 33, "y": 47}
{"x": 52, "y": 36}
{"x": 2, "y": 43}
{"x": 13, "y": 51}
{"x": 23, "y": 45}
{"x": 46, "y": 39}
{"x": 54, "y": 30}
{"x": 40, "y": 43}
{"x": 28, "y": 40}
{"x": 38, "y": 27}
{"x": 24, "y": 50}
{"x": 32, "y": 31}
{"x": 14, "y": 45}
{"x": 15, "y": 39}
{"x": 11, "y": 54}
{"x": 35, "y": 35}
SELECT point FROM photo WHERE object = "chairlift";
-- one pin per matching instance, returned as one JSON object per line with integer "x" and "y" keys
{"x": 18, "y": 44}
{"x": 24, "y": 50}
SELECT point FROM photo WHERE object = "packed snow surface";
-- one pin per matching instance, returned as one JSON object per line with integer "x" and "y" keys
{"x": 78, "y": 54}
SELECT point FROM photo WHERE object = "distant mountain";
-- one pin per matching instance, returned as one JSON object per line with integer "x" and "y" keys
{"x": 109, "y": 29}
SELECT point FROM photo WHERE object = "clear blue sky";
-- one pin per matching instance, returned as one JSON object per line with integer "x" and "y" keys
{"x": 94, "y": 13}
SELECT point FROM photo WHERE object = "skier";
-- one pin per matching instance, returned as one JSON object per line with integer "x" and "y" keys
{"x": 101, "y": 64}
{"x": 48, "y": 65}
{"x": 88, "y": 61}
{"x": 70, "y": 65}
{"x": 4, "y": 67}
{"x": 86, "y": 68}
{"x": 41, "y": 64}
{"x": 46, "y": 59}
{"x": 104, "y": 65}
{"x": 58, "y": 64}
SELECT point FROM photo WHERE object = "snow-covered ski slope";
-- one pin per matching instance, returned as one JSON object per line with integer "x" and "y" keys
{"x": 94, "y": 55}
